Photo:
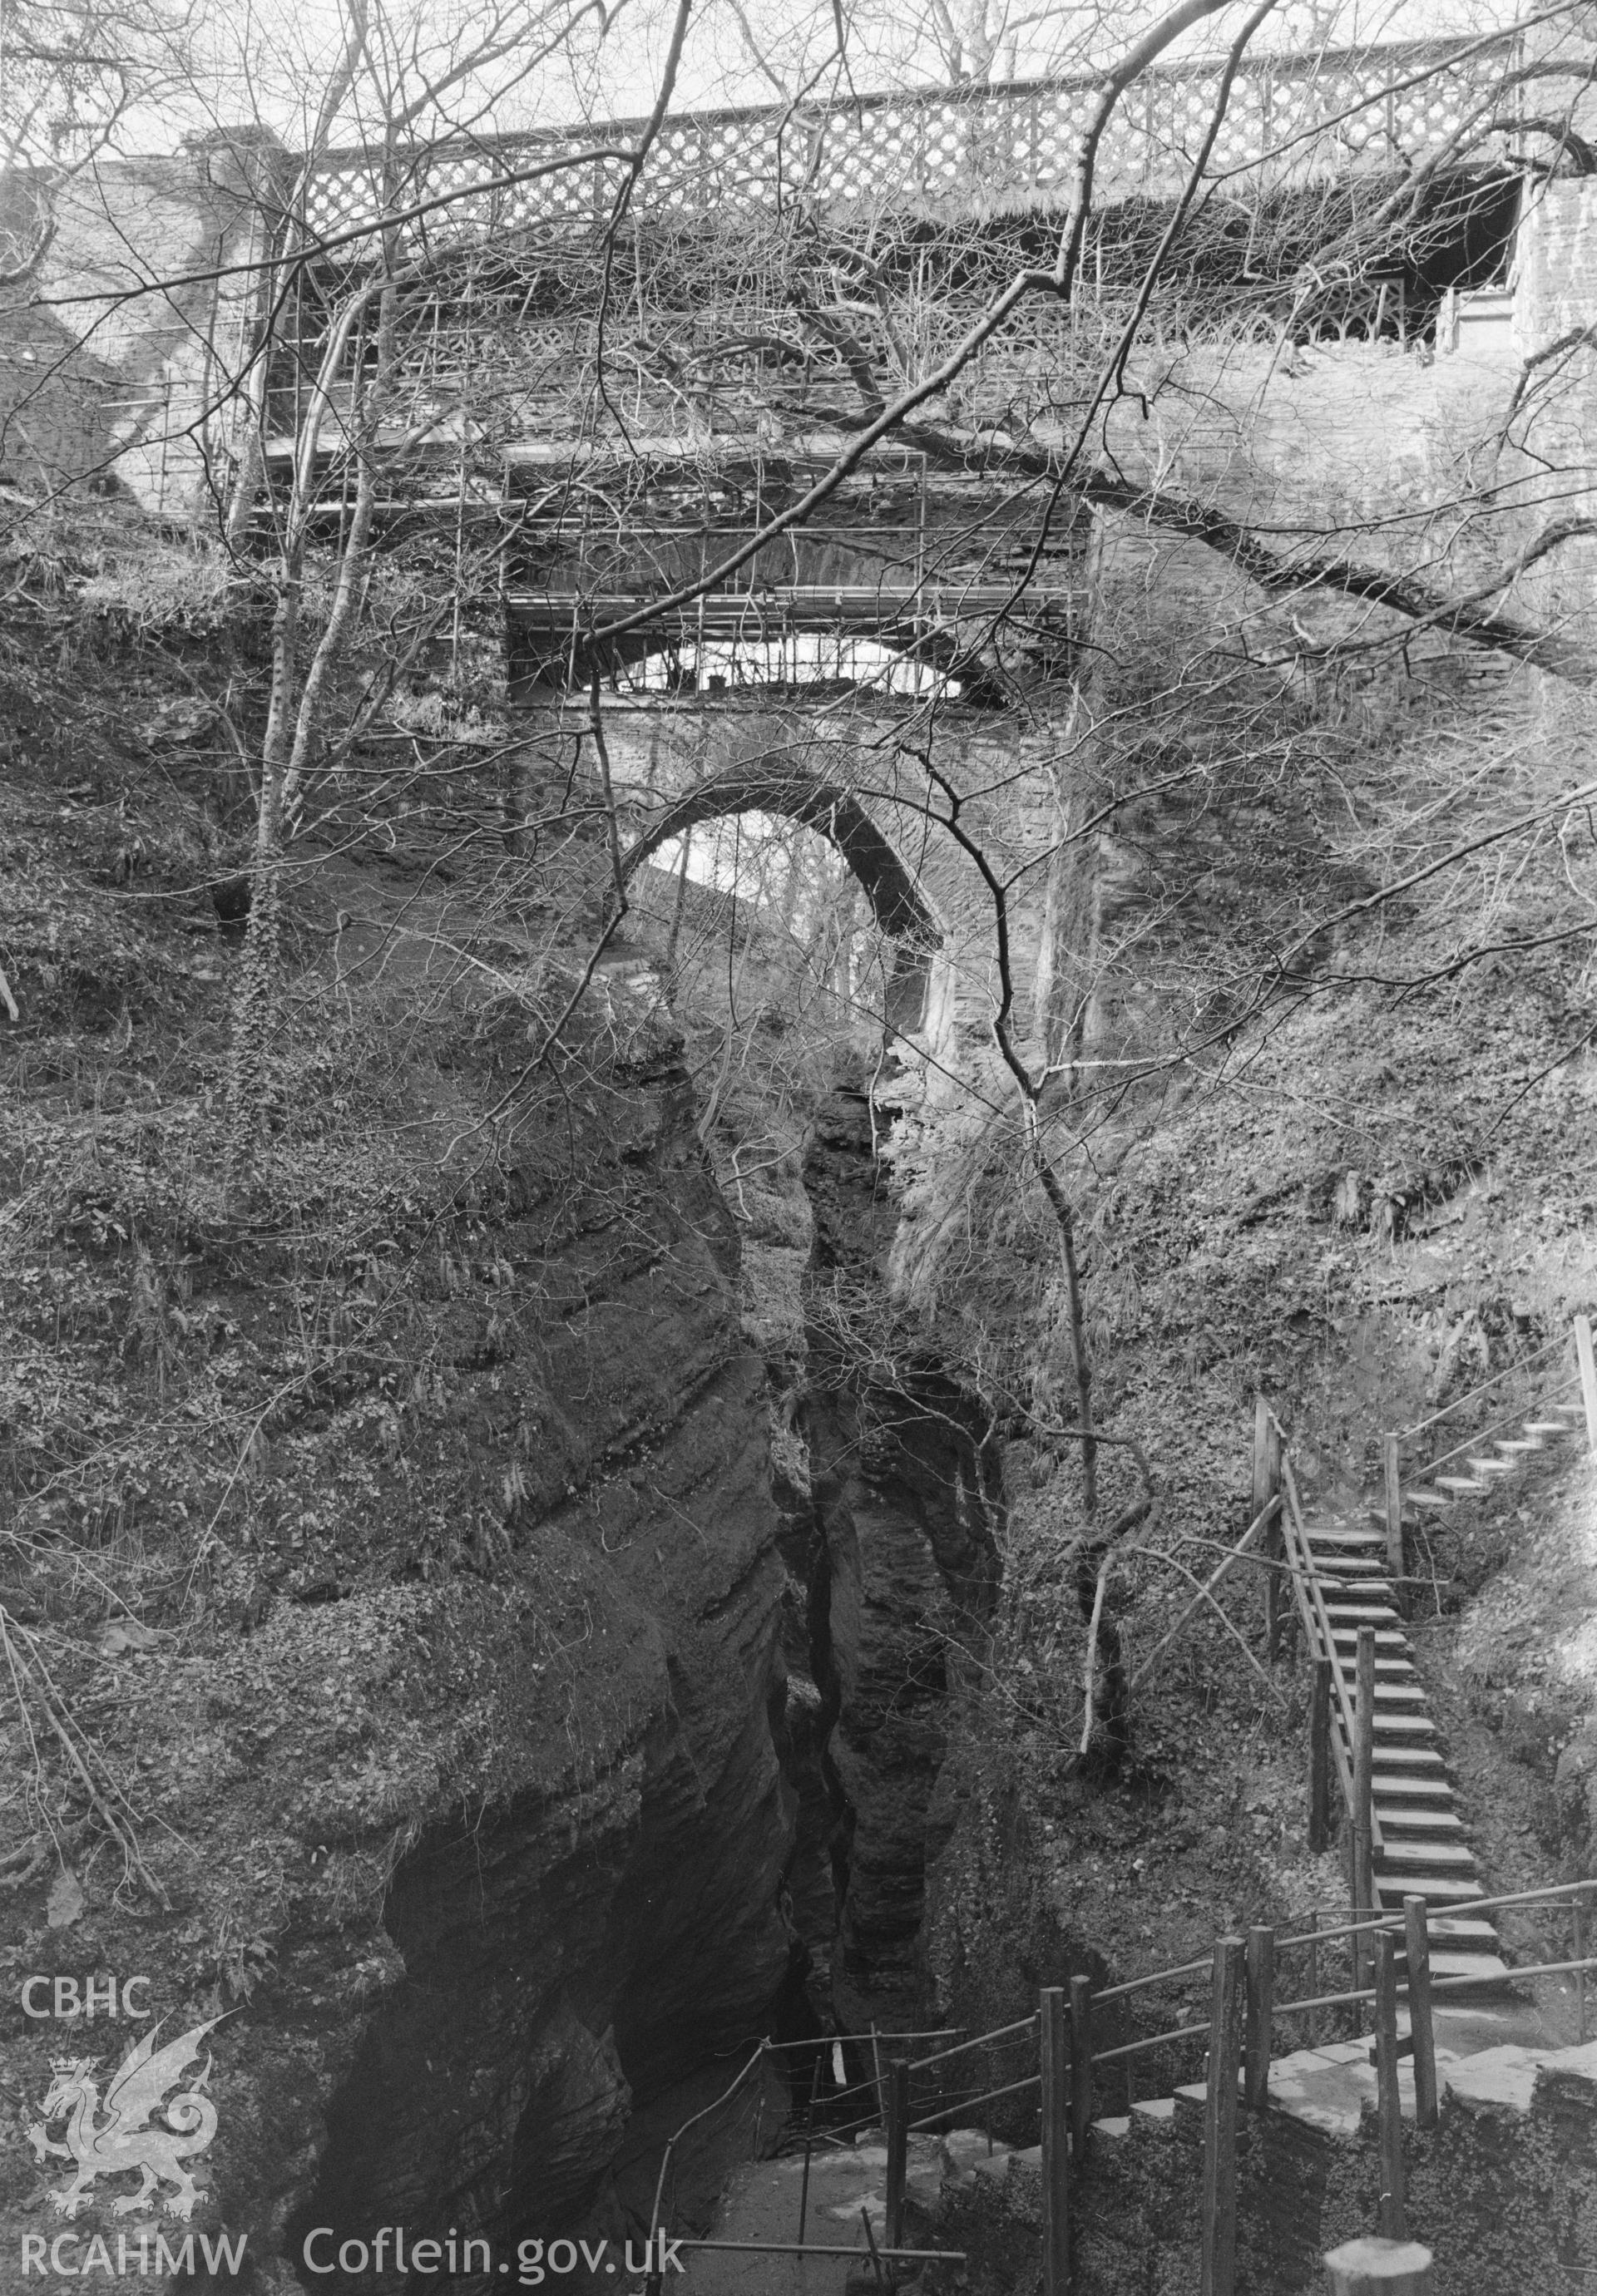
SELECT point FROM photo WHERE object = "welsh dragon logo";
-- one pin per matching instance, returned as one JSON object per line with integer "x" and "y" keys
{"x": 125, "y": 2138}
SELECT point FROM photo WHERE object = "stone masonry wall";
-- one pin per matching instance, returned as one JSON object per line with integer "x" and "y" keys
{"x": 114, "y": 354}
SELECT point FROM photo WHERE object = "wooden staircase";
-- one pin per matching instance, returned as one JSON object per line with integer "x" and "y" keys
{"x": 1421, "y": 1847}
{"x": 1477, "y": 1467}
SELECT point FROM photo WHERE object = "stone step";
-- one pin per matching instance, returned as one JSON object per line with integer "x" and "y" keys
{"x": 1465, "y": 1954}
{"x": 1551, "y": 1428}
{"x": 1516, "y": 1447}
{"x": 1459, "y": 1486}
{"x": 1490, "y": 1968}
{"x": 1491, "y": 1466}
{"x": 1436, "y": 1500}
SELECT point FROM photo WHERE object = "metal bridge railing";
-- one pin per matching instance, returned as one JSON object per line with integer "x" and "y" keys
{"x": 956, "y": 150}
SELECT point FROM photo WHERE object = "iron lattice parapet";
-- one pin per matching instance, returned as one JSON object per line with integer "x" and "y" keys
{"x": 1010, "y": 148}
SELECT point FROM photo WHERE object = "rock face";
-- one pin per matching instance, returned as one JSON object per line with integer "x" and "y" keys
{"x": 903, "y": 1567}
{"x": 484, "y": 1762}
{"x": 907, "y": 1555}
{"x": 573, "y": 1953}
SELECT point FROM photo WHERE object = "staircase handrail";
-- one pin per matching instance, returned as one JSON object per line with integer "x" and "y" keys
{"x": 1484, "y": 1434}
{"x": 1573, "y": 1892}
{"x": 1520, "y": 1363}
{"x": 976, "y": 2041}
{"x": 1317, "y": 1632}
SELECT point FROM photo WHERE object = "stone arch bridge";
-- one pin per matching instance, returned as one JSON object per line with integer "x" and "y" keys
{"x": 949, "y": 569}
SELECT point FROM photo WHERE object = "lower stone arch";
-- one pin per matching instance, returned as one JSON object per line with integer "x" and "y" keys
{"x": 896, "y": 900}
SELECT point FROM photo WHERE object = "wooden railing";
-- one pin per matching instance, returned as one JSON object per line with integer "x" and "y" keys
{"x": 1397, "y": 1480}
{"x": 1065, "y": 2066}
{"x": 1244, "y": 2020}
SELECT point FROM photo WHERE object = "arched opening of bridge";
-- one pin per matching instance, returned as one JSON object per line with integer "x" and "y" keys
{"x": 777, "y": 862}
{"x": 768, "y": 651}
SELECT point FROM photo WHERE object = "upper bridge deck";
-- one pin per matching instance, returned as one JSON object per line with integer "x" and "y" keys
{"x": 954, "y": 153}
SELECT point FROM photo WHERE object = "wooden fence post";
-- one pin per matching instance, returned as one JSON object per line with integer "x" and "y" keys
{"x": 1395, "y": 1561}
{"x": 1394, "y": 2222}
{"x": 1588, "y": 1377}
{"x": 1053, "y": 2026}
{"x": 1416, "y": 1924}
{"x": 1312, "y": 2020}
{"x": 1379, "y": 2268}
{"x": 1261, "y": 1996}
{"x": 1364, "y": 1793}
{"x": 1277, "y": 1533}
{"x": 1218, "y": 2274}
{"x": 898, "y": 2149}
{"x": 1579, "y": 1928}
{"x": 1081, "y": 2064}
{"x": 809, "y": 2147}
{"x": 1319, "y": 1755}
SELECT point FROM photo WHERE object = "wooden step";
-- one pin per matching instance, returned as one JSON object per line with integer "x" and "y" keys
{"x": 1334, "y": 1534}
{"x": 1388, "y": 1639}
{"x": 1424, "y": 1856}
{"x": 1438, "y": 1788}
{"x": 1547, "y": 1427}
{"x": 1491, "y": 1466}
{"x": 1436, "y": 1889}
{"x": 1420, "y": 1765}
{"x": 1436, "y": 1500}
{"x": 1355, "y": 1615}
{"x": 1395, "y": 1724}
{"x": 1401, "y": 1821}
{"x": 1458, "y": 1485}
{"x": 1517, "y": 1449}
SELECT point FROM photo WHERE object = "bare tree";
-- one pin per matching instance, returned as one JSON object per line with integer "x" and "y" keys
{"x": 73, "y": 80}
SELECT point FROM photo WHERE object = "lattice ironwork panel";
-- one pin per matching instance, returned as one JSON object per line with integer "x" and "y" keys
{"x": 1288, "y": 119}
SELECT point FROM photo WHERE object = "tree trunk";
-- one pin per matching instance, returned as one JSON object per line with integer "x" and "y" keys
{"x": 254, "y": 999}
